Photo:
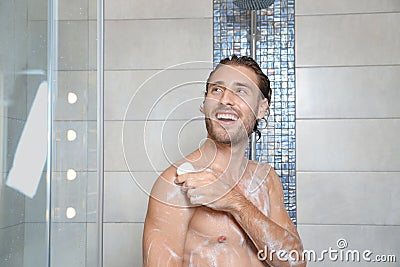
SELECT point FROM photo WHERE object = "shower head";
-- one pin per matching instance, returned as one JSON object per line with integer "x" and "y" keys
{"x": 253, "y": 4}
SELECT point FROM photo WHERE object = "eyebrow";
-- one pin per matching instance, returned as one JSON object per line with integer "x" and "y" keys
{"x": 236, "y": 84}
{"x": 242, "y": 85}
{"x": 217, "y": 83}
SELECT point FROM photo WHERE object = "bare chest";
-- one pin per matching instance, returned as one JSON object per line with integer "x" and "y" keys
{"x": 215, "y": 239}
{"x": 216, "y": 227}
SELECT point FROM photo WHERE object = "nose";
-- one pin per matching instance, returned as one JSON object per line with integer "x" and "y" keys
{"x": 227, "y": 98}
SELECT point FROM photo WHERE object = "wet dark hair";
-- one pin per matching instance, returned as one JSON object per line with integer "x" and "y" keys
{"x": 263, "y": 82}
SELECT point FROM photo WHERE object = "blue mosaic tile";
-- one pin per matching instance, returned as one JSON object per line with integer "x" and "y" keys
{"x": 275, "y": 54}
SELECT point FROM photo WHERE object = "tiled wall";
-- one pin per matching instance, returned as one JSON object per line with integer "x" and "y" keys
{"x": 348, "y": 154}
{"x": 142, "y": 38}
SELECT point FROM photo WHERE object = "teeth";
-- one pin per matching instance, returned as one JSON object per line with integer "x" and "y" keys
{"x": 226, "y": 116}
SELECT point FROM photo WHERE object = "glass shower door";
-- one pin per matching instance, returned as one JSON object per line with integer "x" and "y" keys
{"x": 23, "y": 105}
{"x": 74, "y": 226}
{"x": 49, "y": 213}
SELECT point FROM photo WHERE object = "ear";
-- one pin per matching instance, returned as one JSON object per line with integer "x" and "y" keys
{"x": 262, "y": 108}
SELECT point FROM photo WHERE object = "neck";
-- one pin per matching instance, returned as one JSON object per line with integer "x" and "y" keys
{"x": 221, "y": 157}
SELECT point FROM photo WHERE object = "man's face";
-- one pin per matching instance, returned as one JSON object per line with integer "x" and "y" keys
{"x": 233, "y": 103}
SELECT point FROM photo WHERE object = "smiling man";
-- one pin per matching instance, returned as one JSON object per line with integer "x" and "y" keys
{"x": 215, "y": 207}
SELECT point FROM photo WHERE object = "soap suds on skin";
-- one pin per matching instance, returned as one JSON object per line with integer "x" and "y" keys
{"x": 255, "y": 182}
{"x": 148, "y": 253}
{"x": 258, "y": 198}
{"x": 172, "y": 194}
{"x": 208, "y": 252}
{"x": 173, "y": 255}
{"x": 240, "y": 234}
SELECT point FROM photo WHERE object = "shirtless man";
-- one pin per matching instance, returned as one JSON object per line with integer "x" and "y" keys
{"x": 215, "y": 207}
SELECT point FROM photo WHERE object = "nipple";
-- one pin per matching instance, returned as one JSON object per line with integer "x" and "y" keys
{"x": 221, "y": 239}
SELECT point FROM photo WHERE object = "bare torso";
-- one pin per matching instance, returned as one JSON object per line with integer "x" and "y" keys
{"x": 215, "y": 239}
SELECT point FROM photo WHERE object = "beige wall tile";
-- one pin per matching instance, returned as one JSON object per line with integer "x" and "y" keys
{"x": 348, "y": 145}
{"x": 343, "y": 40}
{"x": 153, "y": 9}
{"x": 348, "y": 198}
{"x": 156, "y": 44}
{"x": 316, "y": 7}
{"x": 122, "y": 244}
{"x": 126, "y": 195}
{"x": 156, "y": 95}
{"x": 348, "y": 92}
{"x": 150, "y": 146}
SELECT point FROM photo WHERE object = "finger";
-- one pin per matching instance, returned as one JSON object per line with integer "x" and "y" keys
{"x": 196, "y": 200}
{"x": 193, "y": 175}
{"x": 180, "y": 179}
{"x": 194, "y": 197}
{"x": 197, "y": 182}
{"x": 190, "y": 183}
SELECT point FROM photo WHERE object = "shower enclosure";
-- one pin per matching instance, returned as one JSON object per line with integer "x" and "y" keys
{"x": 51, "y": 217}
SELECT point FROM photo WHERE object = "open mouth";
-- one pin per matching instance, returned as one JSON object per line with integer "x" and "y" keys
{"x": 227, "y": 117}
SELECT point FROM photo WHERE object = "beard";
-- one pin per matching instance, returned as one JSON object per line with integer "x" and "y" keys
{"x": 239, "y": 133}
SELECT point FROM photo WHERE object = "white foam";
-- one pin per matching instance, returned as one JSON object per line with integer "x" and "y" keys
{"x": 173, "y": 193}
{"x": 172, "y": 253}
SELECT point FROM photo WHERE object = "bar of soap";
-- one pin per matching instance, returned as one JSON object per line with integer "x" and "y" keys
{"x": 185, "y": 167}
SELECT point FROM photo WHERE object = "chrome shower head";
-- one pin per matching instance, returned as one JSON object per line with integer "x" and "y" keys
{"x": 253, "y": 4}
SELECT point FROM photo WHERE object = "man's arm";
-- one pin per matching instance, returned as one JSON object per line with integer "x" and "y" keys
{"x": 166, "y": 224}
{"x": 274, "y": 235}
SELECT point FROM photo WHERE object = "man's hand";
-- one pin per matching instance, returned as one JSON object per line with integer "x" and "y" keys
{"x": 209, "y": 189}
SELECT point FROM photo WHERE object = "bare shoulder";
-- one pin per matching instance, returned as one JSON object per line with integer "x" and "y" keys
{"x": 261, "y": 169}
{"x": 169, "y": 174}
{"x": 274, "y": 180}
{"x": 166, "y": 191}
